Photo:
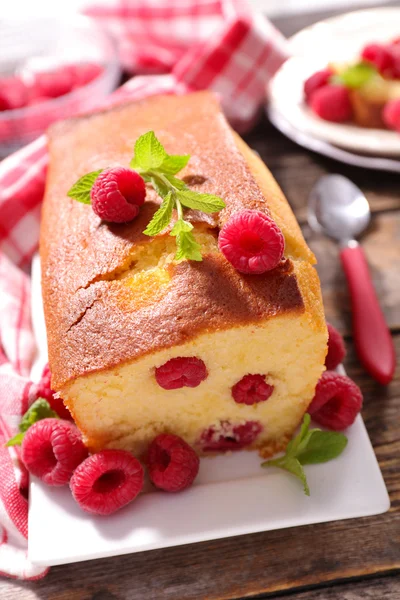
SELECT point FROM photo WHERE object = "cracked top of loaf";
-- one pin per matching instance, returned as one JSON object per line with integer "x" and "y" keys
{"x": 112, "y": 294}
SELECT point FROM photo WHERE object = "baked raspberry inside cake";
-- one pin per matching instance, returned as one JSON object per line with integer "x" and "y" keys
{"x": 141, "y": 344}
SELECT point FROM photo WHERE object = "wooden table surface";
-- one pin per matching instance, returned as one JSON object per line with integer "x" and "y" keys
{"x": 346, "y": 560}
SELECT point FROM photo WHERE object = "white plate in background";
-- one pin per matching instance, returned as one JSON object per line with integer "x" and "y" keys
{"x": 232, "y": 495}
{"x": 334, "y": 40}
{"x": 322, "y": 147}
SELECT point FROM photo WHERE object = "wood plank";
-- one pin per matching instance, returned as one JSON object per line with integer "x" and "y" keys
{"x": 262, "y": 563}
{"x": 381, "y": 588}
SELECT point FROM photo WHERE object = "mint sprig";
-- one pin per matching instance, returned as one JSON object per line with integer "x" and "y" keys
{"x": 39, "y": 410}
{"x": 355, "y": 76}
{"x": 159, "y": 168}
{"x": 153, "y": 163}
{"x": 310, "y": 446}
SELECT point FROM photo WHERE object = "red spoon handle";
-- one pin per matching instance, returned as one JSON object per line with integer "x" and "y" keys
{"x": 372, "y": 337}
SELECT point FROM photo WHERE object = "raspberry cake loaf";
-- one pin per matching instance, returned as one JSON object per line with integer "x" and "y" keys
{"x": 142, "y": 344}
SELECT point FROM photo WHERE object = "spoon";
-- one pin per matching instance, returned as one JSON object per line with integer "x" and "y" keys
{"x": 339, "y": 209}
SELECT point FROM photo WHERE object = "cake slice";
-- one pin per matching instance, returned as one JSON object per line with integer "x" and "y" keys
{"x": 369, "y": 100}
{"x": 118, "y": 306}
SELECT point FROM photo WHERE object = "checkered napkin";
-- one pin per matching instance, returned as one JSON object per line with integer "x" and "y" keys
{"x": 174, "y": 47}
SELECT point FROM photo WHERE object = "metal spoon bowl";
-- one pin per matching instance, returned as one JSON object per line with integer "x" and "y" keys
{"x": 338, "y": 208}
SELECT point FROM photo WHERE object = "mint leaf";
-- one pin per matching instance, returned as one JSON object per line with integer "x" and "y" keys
{"x": 205, "y": 202}
{"x": 293, "y": 445}
{"x": 293, "y": 465}
{"x": 80, "y": 191}
{"x": 322, "y": 447}
{"x": 163, "y": 184}
{"x": 162, "y": 188}
{"x": 173, "y": 163}
{"x": 356, "y": 75}
{"x": 39, "y": 410}
{"x": 181, "y": 227}
{"x": 16, "y": 440}
{"x": 179, "y": 184}
{"x": 149, "y": 153}
{"x": 187, "y": 247}
{"x": 310, "y": 446}
{"x": 146, "y": 176}
{"x": 162, "y": 217}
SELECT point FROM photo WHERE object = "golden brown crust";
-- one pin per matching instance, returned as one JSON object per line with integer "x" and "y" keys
{"x": 94, "y": 321}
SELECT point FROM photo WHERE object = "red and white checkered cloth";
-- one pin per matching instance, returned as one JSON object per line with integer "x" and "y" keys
{"x": 192, "y": 45}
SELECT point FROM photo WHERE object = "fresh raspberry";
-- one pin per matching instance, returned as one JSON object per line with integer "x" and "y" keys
{"x": 172, "y": 464}
{"x": 394, "y": 49}
{"x": 391, "y": 114}
{"x": 117, "y": 194}
{"x": 395, "y": 70}
{"x": 52, "y": 449}
{"x": 378, "y": 55}
{"x": 33, "y": 101}
{"x": 228, "y": 436}
{"x": 251, "y": 242}
{"x": 107, "y": 481}
{"x": 44, "y": 391}
{"x": 337, "y": 401}
{"x": 252, "y": 389}
{"x": 184, "y": 371}
{"x": 52, "y": 83}
{"x": 6, "y": 131}
{"x": 316, "y": 81}
{"x": 332, "y": 103}
{"x": 44, "y": 387}
{"x": 13, "y": 93}
{"x": 84, "y": 73}
{"x": 336, "y": 348}
{"x": 34, "y": 122}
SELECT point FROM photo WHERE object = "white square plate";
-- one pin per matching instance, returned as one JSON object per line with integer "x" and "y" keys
{"x": 232, "y": 496}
